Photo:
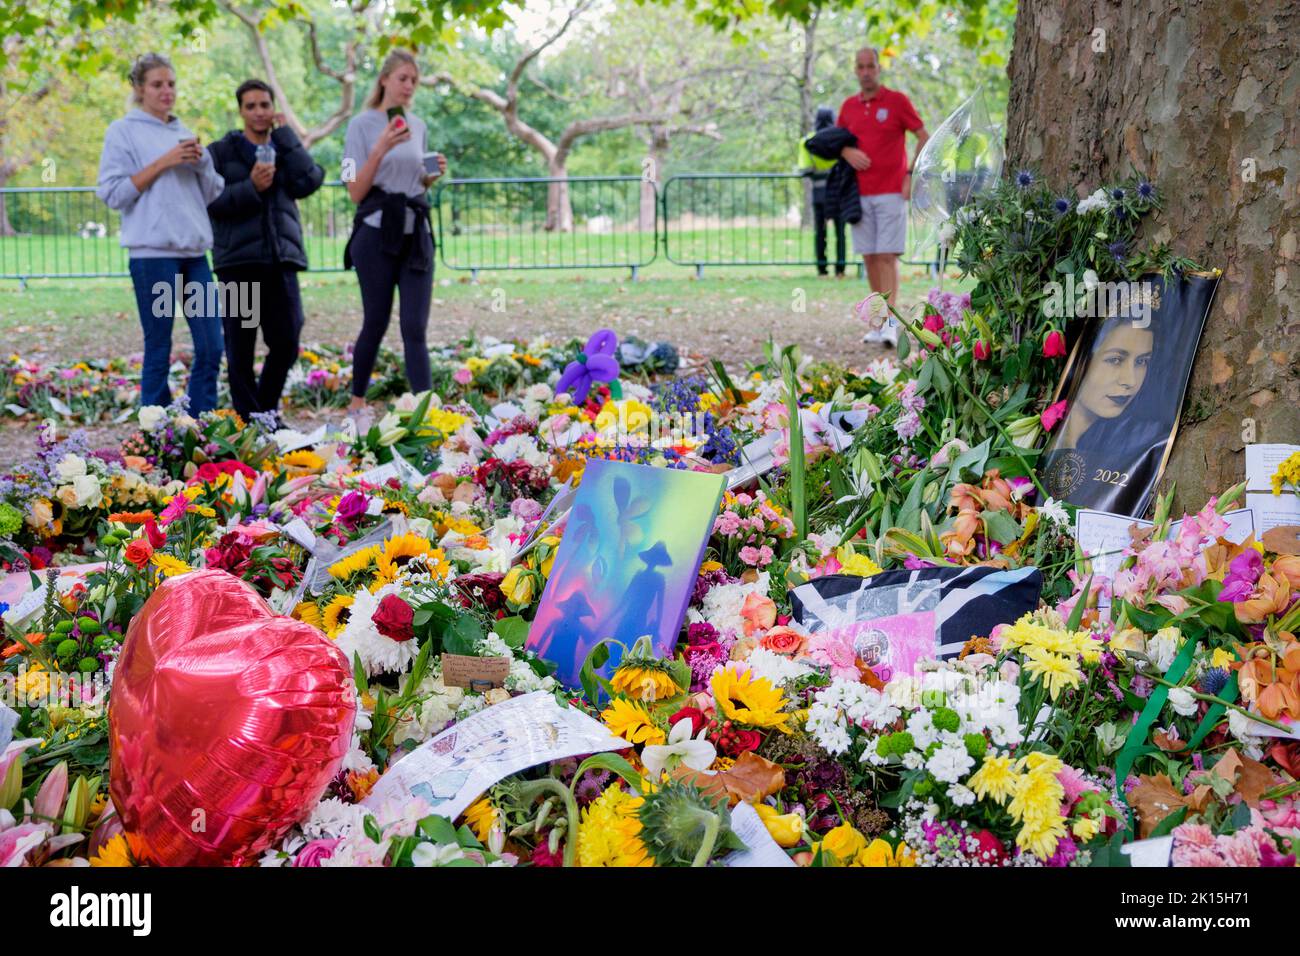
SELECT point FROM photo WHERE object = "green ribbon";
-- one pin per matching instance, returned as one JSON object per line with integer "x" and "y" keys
{"x": 616, "y": 390}
{"x": 1216, "y": 711}
{"x": 1136, "y": 742}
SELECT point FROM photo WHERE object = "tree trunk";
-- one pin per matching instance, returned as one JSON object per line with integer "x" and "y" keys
{"x": 1202, "y": 98}
{"x": 559, "y": 210}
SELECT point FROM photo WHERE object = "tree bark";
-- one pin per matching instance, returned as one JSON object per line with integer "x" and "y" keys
{"x": 1202, "y": 97}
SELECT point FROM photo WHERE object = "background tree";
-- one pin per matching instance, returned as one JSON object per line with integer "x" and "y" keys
{"x": 1202, "y": 98}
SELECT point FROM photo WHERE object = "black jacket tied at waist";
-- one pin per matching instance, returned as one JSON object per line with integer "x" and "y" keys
{"x": 842, "y": 184}
{"x": 392, "y": 226}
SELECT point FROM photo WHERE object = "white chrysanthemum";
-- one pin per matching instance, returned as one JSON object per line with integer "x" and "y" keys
{"x": 333, "y": 818}
{"x": 921, "y": 727}
{"x": 904, "y": 691}
{"x": 379, "y": 654}
{"x": 521, "y": 448}
{"x": 722, "y": 604}
{"x": 961, "y": 796}
{"x": 775, "y": 667}
{"x": 950, "y": 763}
{"x": 913, "y": 760}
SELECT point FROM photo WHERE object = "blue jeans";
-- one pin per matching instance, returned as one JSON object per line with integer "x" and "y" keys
{"x": 157, "y": 308}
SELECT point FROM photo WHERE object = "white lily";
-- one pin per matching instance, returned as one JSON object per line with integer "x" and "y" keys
{"x": 696, "y": 753}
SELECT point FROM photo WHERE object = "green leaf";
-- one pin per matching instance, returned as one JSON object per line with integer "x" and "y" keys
{"x": 612, "y": 762}
{"x": 438, "y": 829}
{"x": 1166, "y": 826}
{"x": 513, "y": 630}
{"x": 1076, "y": 616}
{"x": 1001, "y": 527}
{"x": 463, "y": 636}
{"x": 595, "y": 660}
{"x": 1065, "y": 266}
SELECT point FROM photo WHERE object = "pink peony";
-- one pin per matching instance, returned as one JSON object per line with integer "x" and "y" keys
{"x": 316, "y": 851}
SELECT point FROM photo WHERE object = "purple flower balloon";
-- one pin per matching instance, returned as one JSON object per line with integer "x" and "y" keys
{"x": 595, "y": 363}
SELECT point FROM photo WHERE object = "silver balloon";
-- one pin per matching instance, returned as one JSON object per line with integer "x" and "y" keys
{"x": 962, "y": 159}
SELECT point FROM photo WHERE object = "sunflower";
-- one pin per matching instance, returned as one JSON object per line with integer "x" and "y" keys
{"x": 355, "y": 563}
{"x": 632, "y": 722}
{"x": 480, "y": 816}
{"x": 644, "y": 680}
{"x": 304, "y": 461}
{"x": 396, "y": 505}
{"x": 749, "y": 701}
{"x": 336, "y": 614}
{"x": 398, "y": 551}
{"x": 309, "y": 613}
{"x": 169, "y": 566}
{"x": 118, "y": 851}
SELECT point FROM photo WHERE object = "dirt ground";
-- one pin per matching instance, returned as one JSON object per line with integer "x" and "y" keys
{"x": 728, "y": 317}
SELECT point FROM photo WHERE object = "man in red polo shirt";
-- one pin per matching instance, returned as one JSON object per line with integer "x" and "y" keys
{"x": 881, "y": 118}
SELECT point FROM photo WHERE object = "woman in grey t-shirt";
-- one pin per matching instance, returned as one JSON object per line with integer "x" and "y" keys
{"x": 392, "y": 240}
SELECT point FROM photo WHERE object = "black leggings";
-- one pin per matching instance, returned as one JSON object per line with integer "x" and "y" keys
{"x": 378, "y": 274}
{"x": 280, "y": 319}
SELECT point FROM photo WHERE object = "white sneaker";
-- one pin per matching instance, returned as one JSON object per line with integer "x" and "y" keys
{"x": 889, "y": 334}
{"x": 876, "y": 337}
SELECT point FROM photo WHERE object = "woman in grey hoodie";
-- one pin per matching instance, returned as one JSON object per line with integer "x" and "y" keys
{"x": 155, "y": 173}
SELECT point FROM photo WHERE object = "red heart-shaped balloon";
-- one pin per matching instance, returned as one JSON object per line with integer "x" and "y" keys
{"x": 226, "y": 722}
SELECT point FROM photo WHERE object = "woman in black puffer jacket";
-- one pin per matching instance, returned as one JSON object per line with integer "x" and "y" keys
{"x": 257, "y": 242}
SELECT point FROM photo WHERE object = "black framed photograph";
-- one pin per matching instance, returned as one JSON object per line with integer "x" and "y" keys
{"x": 1124, "y": 386}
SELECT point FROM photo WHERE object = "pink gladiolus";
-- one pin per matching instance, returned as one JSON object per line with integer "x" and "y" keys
{"x": 49, "y": 799}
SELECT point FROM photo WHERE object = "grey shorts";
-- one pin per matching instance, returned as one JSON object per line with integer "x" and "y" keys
{"x": 883, "y": 226}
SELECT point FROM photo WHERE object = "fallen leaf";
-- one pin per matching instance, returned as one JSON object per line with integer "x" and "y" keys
{"x": 1284, "y": 539}
{"x": 1153, "y": 799}
{"x": 751, "y": 779}
{"x": 1168, "y": 744}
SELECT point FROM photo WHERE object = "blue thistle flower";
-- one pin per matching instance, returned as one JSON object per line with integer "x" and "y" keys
{"x": 1145, "y": 189}
{"x": 1062, "y": 205}
{"x": 1117, "y": 194}
{"x": 1024, "y": 179}
{"x": 1119, "y": 250}
{"x": 1214, "y": 680}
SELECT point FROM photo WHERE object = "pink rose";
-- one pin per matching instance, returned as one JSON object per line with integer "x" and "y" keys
{"x": 316, "y": 851}
{"x": 759, "y": 612}
{"x": 1053, "y": 414}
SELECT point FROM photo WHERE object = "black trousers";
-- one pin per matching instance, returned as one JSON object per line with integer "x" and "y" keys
{"x": 819, "y": 236}
{"x": 280, "y": 318}
{"x": 380, "y": 274}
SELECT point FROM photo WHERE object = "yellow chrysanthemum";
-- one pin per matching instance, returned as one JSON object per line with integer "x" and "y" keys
{"x": 167, "y": 565}
{"x": 362, "y": 560}
{"x": 1085, "y": 828}
{"x": 644, "y": 682}
{"x": 632, "y": 722}
{"x": 336, "y": 614}
{"x": 480, "y": 816}
{"x": 1040, "y": 836}
{"x": 628, "y": 416}
{"x": 995, "y": 780}
{"x": 309, "y": 613}
{"x": 609, "y": 833}
{"x": 442, "y": 423}
{"x": 853, "y": 563}
{"x": 1222, "y": 657}
{"x": 1056, "y": 671}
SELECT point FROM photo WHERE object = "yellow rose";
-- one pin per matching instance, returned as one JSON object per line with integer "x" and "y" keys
{"x": 880, "y": 853}
{"x": 518, "y": 586}
{"x": 786, "y": 829}
{"x": 844, "y": 841}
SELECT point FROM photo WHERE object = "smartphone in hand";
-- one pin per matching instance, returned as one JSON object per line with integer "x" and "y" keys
{"x": 431, "y": 163}
{"x": 396, "y": 111}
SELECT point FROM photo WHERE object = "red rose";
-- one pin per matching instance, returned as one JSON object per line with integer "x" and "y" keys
{"x": 138, "y": 552}
{"x": 782, "y": 640}
{"x": 1054, "y": 344}
{"x": 208, "y": 472}
{"x": 1287, "y": 755}
{"x": 393, "y": 618}
{"x": 694, "y": 715}
{"x": 740, "y": 741}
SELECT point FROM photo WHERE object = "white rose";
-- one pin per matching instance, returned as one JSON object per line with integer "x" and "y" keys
{"x": 150, "y": 416}
{"x": 87, "y": 491}
{"x": 1163, "y": 647}
{"x": 541, "y": 392}
{"x": 1182, "y": 701}
{"x": 71, "y": 466}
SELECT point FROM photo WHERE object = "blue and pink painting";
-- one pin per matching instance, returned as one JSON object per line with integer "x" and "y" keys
{"x": 627, "y": 562}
